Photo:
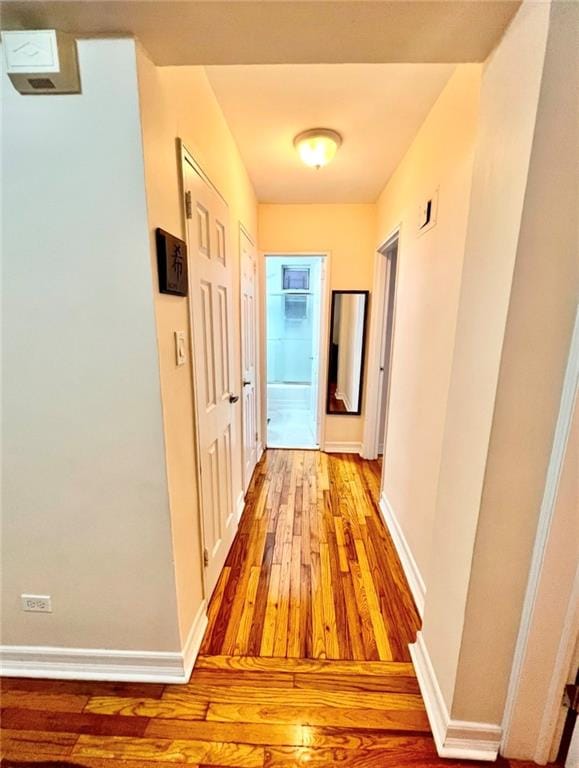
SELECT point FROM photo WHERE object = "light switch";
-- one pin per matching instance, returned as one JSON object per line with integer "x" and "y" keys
{"x": 180, "y": 348}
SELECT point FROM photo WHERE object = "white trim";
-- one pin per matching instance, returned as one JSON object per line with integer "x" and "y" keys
{"x": 336, "y": 447}
{"x": 563, "y": 661}
{"x": 561, "y": 665}
{"x": 52, "y": 663}
{"x": 459, "y": 739}
{"x": 377, "y": 307}
{"x": 194, "y": 639}
{"x": 239, "y": 506}
{"x": 409, "y": 564}
{"x": 243, "y": 232}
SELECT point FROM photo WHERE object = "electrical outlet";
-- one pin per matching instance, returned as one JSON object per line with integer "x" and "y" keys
{"x": 37, "y": 603}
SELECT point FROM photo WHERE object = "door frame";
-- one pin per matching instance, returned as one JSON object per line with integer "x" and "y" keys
{"x": 323, "y": 356}
{"x": 371, "y": 431}
{"x": 186, "y": 156}
{"x": 258, "y": 425}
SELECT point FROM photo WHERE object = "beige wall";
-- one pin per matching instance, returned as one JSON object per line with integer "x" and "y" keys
{"x": 540, "y": 322}
{"x": 427, "y": 295}
{"x": 509, "y": 98}
{"x": 85, "y": 505}
{"x": 177, "y": 102}
{"x": 347, "y": 232}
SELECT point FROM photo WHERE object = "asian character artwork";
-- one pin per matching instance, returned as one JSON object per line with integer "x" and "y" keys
{"x": 172, "y": 264}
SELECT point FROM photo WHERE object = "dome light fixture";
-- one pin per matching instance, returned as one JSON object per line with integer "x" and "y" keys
{"x": 317, "y": 146}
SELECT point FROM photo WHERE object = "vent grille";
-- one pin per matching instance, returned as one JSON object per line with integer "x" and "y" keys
{"x": 41, "y": 83}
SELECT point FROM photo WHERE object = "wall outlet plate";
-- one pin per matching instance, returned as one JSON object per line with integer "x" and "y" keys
{"x": 37, "y": 603}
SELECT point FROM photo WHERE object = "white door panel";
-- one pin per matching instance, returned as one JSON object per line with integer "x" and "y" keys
{"x": 248, "y": 264}
{"x": 211, "y": 322}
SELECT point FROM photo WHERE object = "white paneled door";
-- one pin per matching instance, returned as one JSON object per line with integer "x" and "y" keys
{"x": 211, "y": 321}
{"x": 248, "y": 263}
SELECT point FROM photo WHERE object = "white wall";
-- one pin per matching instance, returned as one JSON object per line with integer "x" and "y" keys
{"x": 85, "y": 505}
{"x": 429, "y": 275}
{"x": 509, "y": 98}
{"x": 541, "y": 314}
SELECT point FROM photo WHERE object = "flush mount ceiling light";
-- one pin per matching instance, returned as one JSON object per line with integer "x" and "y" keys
{"x": 317, "y": 146}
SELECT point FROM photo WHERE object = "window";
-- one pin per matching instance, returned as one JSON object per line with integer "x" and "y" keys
{"x": 296, "y": 278}
{"x": 296, "y": 307}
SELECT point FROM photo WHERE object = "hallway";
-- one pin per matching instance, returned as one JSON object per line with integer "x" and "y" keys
{"x": 312, "y": 572}
{"x": 305, "y": 658}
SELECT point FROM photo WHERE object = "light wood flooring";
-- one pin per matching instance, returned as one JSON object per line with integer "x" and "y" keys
{"x": 313, "y": 572}
{"x": 304, "y": 662}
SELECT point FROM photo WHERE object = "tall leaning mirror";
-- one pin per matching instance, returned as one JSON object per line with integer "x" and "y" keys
{"x": 346, "y": 354}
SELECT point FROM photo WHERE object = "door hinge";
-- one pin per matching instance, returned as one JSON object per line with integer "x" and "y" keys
{"x": 256, "y": 437}
{"x": 188, "y": 206}
{"x": 205, "y": 557}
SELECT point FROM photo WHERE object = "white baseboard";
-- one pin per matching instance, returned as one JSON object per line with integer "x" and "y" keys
{"x": 333, "y": 447}
{"x": 409, "y": 564}
{"x": 194, "y": 639}
{"x": 103, "y": 664}
{"x": 457, "y": 739}
{"x": 239, "y": 505}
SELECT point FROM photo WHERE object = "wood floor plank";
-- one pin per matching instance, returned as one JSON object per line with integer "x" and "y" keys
{"x": 367, "y": 739}
{"x": 265, "y": 734}
{"x": 171, "y": 750}
{"x": 23, "y": 744}
{"x": 362, "y": 683}
{"x": 187, "y": 707}
{"x": 227, "y": 677}
{"x": 290, "y": 757}
{"x": 243, "y": 633}
{"x": 73, "y": 722}
{"x": 397, "y": 720}
{"x": 318, "y": 666}
{"x": 38, "y": 699}
{"x": 296, "y": 697}
{"x": 82, "y": 687}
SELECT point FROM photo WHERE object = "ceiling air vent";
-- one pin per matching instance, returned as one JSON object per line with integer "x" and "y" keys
{"x": 41, "y": 61}
{"x": 41, "y": 83}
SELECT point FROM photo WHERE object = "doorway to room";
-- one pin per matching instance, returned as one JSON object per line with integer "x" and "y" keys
{"x": 381, "y": 347}
{"x": 294, "y": 287}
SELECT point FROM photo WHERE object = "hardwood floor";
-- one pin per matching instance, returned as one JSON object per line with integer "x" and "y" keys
{"x": 304, "y": 660}
{"x": 313, "y": 572}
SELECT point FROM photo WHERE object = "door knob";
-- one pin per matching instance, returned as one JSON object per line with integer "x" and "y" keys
{"x": 233, "y": 398}
{"x": 246, "y": 383}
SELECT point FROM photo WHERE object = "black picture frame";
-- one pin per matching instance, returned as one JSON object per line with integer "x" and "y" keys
{"x": 358, "y": 411}
{"x": 171, "y": 263}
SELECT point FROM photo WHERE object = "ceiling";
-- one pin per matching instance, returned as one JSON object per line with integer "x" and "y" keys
{"x": 377, "y": 108}
{"x": 281, "y": 31}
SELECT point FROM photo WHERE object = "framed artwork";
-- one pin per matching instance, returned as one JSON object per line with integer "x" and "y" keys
{"x": 171, "y": 263}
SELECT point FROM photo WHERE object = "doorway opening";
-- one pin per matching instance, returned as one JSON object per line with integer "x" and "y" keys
{"x": 390, "y": 253}
{"x": 381, "y": 345}
{"x": 294, "y": 297}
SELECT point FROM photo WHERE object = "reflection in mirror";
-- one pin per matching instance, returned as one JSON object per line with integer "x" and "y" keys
{"x": 346, "y": 359}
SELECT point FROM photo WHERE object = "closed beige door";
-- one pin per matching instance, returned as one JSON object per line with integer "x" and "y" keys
{"x": 248, "y": 263}
{"x": 211, "y": 320}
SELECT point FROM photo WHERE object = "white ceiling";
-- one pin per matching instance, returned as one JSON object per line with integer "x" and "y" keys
{"x": 378, "y": 109}
{"x": 288, "y": 31}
